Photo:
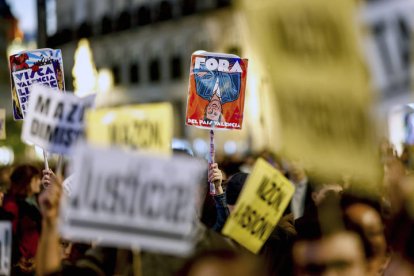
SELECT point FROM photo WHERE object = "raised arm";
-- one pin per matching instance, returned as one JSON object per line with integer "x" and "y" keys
{"x": 216, "y": 176}
{"x": 48, "y": 251}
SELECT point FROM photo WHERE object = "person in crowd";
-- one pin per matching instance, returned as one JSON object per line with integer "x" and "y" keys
{"x": 401, "y": 240}
{"x": 50, "y": 258}
{"x": 248, "y": 163}
{"x": 366, "y": 221}
{"x": 302, "y": 197}
{"x": 394, "y": 174}
{"x": 276, "y": 250}
{"x": 234, "y": 187}
{"x": 215, "y": 176}
{"x": 224, "y": 200}
{"x": 321, "y": 192}
{"x": 5, "y": 173}
{"x": 233, "y": 164}
{"x": 100, "y": 260}
{"x": 222, "y": 263}
{"x": 400, "y": 227}
{"x": 333, "y": 252}
{"x": 21, "y": 203}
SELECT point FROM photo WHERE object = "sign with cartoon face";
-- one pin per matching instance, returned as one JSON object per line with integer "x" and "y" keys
{"x": 216, "y": 91}
{"x": 42, "y": 66}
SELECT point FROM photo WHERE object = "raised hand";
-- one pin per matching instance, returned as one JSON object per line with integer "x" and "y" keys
{"x": 215, "y": 176}
{"x": 49, "y": 199}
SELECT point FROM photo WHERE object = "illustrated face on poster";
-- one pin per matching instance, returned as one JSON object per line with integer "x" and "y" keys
{"x": 39, "y": 66}
{"x": 216, "y": 92}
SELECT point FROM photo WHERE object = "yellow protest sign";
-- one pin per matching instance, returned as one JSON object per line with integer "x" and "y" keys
{"x": 2, "y": 124}
{"x": 260, "y": 206}
{"x": 311, "y": 52}
{"x": 144, "y": 127}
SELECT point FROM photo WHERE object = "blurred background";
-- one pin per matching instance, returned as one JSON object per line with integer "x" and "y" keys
{"x": 138, "y": 51}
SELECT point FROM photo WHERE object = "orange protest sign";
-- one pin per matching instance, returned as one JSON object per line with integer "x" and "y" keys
{"x": 216, "y": 90}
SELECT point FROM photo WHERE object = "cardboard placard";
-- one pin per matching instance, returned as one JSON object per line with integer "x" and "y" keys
{"x": 144, "y": 127}
{"x": 55, "y": 121}
{"x": 316, "y": 69}
{"x": 264, "y": 197}
{"x": 129, "y": 200}
{"x": 216, "y": 91}
{"x": 5, "y": 247}
{"x": 42, "y": 66}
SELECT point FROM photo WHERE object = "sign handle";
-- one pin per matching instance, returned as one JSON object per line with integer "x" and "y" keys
{"x": 59, "y": 165}
{"x": 211, "y": 160}
{"x": 45, "y": 158}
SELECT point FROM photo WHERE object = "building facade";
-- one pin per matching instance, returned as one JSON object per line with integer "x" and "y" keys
{"x": 147, "y": 45}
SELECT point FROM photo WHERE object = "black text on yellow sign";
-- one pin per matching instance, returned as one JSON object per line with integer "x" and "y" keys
{"x": 144, "y": 127}
{"x": 318, "y": 75}
{"x": 262, "y": 202}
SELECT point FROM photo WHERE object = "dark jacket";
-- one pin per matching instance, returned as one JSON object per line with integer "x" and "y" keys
{"x": 222, "y": 211}
{"x": 26, "y": 226}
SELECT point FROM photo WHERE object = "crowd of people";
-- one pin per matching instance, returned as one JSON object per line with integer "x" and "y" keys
{"x": 330, "y": 227}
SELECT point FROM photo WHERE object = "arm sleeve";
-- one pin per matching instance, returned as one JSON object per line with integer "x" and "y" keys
{"x": 222, "y": 211}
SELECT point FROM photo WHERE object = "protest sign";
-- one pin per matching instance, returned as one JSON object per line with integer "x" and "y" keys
{"x": 132, "y": 200}
{"x": 144, "y": 127}
{"x": 316, "y": 70}
{"x": 389, "y": 45}
{"x": 216, "y": 90}
{"x": 2, "y": 124}
{"x": 67, "y": 185}
{"x": 42, "y": 66}
{"x": 5, "y": 247}
{"x": 264, "y": 198}
{"x": 54, "y": 121}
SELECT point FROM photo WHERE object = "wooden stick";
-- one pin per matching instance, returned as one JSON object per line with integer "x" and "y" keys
{"x": 45, "y": 159}
{"x": 211, "y": 160}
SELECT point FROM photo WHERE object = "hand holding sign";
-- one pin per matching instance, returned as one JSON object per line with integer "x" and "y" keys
{"x": 49, "y": 199}
{"x": 48, "y": 251}
{"x": 215, "y": 176}
{"x": 216, "y": 94}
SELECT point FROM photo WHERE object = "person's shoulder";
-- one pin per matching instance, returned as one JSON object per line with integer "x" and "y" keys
{"x": 10, "y": 203}
{"x": 213, "y": 240}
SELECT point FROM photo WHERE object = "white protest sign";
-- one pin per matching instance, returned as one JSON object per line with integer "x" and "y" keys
{"x": 54, "y": 121}
{"x": 389, "y": 44}
{"x": 67, "y": 185}
{"x": 128, "y": 200}
{"x": 5, "y": 247}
